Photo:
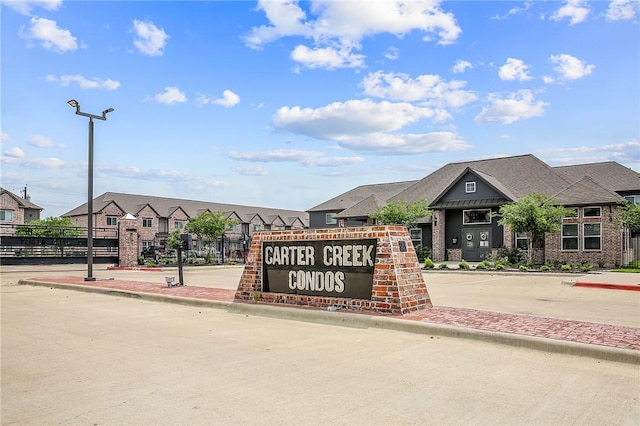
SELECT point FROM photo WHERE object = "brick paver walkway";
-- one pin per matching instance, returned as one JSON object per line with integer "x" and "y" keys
{"x": 551, "y": 328}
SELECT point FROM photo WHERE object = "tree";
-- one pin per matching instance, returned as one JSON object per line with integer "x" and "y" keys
{"x": 209, "y": 226}
{"x": 402, "y": 213}
{"x": 534, "y": 215}
{"x": 55, "y": 227}
{"x": 628, "y": 215}
{"x": 174, "y": 240}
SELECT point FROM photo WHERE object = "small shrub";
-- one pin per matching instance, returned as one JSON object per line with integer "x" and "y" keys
{"x": 423, "y": 253}
{"x": 150, "y": 264}
{"x": 512, "y": 256}
{"x": 500, "y": 266}
{"x": 255, "y": 295}
{"x": 428, "y": 263}
{"x": 463, "y": 264}
{"x": 566, "y": 267}
{"x": 140, "y": 260}
{"x": 442, "y": 266}
{"x": 208, "y": 258}
{"x": 586, "y": 267}
{"x": 482, "y": 265}
{"x": 546, "y": 267}
{"x": 634, "y": 264}
{"x": 523, "y": 268}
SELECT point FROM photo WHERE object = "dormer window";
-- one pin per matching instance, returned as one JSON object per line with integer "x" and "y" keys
{"x": 470, "y": 187}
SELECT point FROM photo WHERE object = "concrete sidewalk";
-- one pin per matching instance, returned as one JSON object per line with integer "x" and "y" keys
{"x": 602, "y": 341}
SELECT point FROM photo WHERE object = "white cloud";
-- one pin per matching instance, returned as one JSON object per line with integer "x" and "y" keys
{"x": 429, "y": 89}
{"x": 306, "y": 158}
{"x": 570, "y": 67}
{"x": 461, "y": 66}
{"x": 514, "y": 69}
{"x": 40, "y": 141}
{"x": 547, "y": 79}
{"x": 251, "y": 170}
{"x": 50, "y": 36}
{"x": 624, "y": 153}
{"x": 150, "y": 40}
{"x": 84, "y": 83}
{"x": 337, "y": 27}
{"x": 14, "y": 152}
{"x": 4, "y": 137}
{"x": 326, "y": 57}
{"x": 354, "y": 117}
{"x": 170, "y": 96}
{"x": 33, "y": 163}
{"x": 404, "y": 144}
{"x": 228, "y": 100}
{"x": 517, "y": 106}
{"x": 620, "y": 10}
{"x": 392, "y": 53}
{"x": 159, "y": 175}
{"x": 515, "y": 10}
{"x": 24, "y": 6}
{"x": 575, "y": 10}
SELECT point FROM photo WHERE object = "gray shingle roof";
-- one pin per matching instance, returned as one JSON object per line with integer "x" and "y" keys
{"x": 514, "y": 176}
{"x": 133, "y": 203}
{"x": 26, "y": 204}
{"x": 586, "y": 191}
{"x": 350, "y": 198}
{"x": 609, "y": 174}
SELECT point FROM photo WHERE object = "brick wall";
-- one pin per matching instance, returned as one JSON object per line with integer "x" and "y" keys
{"x": 398, "y": 284}
{"x": 439, "y": 244}
{"x": 7, "y": 202}
{"x": 128, "y": 243}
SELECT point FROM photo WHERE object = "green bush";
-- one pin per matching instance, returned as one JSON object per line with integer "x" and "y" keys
{"x": 566, "y": 267}
{"x": 482, "y": 265}
{"x": 463, "y": 264}
{"x": 442, "y": 266}
{"x": 523, "y": 268}
{"x": 140, "y": 260}
{"x": 499, "y": 266}
{"x": 428, "y": 263}
{"x": 586, "y": 267}
{"x": 423, "y": 253}
{"x": 208, "y": 258}
{"x": 545, "y": 267}
{"x": 513, "y": 256}
{"x": 634, "y": 264}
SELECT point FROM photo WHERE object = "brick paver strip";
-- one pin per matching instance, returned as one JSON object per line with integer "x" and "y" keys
{"x": 551, "y": 328}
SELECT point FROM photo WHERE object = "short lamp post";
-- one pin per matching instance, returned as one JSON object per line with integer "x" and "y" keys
{"x": 102, "y": 117}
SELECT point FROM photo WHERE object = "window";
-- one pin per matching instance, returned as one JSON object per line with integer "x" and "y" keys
{"x": 256, "y": 227}
{"x": 146, "y": 223}
{"x": 592, "y": 236}
{"x": 469, "y": 187}
{"x": 178, "y": 224}
{"x": 6, "y": 215}
{"x": 330, "y": 218}
{"x": 633, "y": 199}
{"x": 591, "y": 212}
{"x": 522, "y": 242}
{"x": 112, "y": 221}
{"x": 570, "y": 236}
{"x": 470, "y": 217}
{"x": 416, "y": 236}
{"x": 147, "y": 244}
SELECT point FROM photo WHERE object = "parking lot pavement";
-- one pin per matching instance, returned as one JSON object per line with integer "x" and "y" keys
{"x": 71, "y": 357}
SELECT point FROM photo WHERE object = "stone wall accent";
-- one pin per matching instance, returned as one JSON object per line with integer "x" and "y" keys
{"x": 398, "y": 284}
{"x": 438, "y": 234}
{"x": 128, "y": 243}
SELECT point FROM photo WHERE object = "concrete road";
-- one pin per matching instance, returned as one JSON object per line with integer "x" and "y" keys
{"x": 80, "y": 358}
{"x": 531, "y": 294}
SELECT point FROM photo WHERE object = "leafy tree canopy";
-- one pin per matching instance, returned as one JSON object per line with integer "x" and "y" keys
{"x": 208, "y": 226}
{"x": 174, "y": 240}
{"x": 628, "y": 214}
{"x": 402, "y": 213}
{"x": 49, "y": 227}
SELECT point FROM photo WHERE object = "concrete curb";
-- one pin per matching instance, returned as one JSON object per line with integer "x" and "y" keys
{"x": 354, "y": 320}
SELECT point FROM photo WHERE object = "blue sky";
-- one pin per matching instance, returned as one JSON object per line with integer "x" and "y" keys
{"x": 288, "y": 104}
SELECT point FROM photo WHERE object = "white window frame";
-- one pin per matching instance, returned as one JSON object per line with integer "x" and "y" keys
{"x": 464, "y": 216}
{"x": 256, "y": 228}
{"x": 519, "y": 237}
{"x": 592, "y": 207}
{"x": 416, "y": 235}
{"x": 470, "y": 187}
{"x": 147, "y": 222}
{"x": 6, "y": 215}
{"x": 570, "y": 237}
{"x": 178, "y": 224}
{"x": 330, "y": 218}
{"x": 585, "y": 236}
{"x": 147, "y": 244}
{"x": 111, "y": 219}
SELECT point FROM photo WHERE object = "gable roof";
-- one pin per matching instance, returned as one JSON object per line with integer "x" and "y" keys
{"x": 586, "y": 191}
{"x": 22, "y": 202}
{"x": 514, "y": 176}
{"x": 608, "y": 174}
{"x": 350, "y": 198}
{"x": 131, "y": 203}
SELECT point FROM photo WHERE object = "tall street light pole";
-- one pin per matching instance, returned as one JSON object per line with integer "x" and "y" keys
{"x": 102, "y": 117}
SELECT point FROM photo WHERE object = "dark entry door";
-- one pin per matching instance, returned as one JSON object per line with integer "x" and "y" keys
{"x": 476, "y": 245}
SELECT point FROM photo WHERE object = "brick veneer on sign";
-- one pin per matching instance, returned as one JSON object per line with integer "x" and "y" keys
{"x": 398, "y": 284}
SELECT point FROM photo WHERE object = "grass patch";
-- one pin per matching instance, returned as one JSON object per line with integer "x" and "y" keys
{"x": 628, "y": 270}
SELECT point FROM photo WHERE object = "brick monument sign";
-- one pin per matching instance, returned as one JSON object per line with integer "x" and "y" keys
{"x": 371, "y": 268}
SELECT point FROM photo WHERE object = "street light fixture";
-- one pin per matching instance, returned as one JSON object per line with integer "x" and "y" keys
{"x": 73, "y": 103}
